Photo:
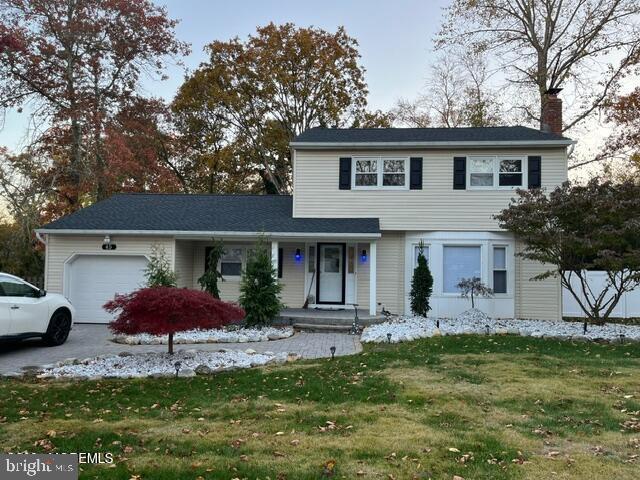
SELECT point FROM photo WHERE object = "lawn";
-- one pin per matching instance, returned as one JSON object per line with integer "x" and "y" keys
{"x": 478, "y": 407}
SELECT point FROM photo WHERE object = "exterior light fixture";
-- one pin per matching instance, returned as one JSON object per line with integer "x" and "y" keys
{"x": 298, "y": 255}
{"x": 437, "y": 323}
{"x": 333, "y": 352}
{"x": 363, "y": 255}
{"x": 177, "y": 366}
{"x": 388, "y": 338}
{"x": 622, "y": 337}
{"x": 107, "y": 244}
{"x": 488, "y": 329}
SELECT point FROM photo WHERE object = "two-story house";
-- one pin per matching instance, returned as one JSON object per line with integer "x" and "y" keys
{"x": 362, "y": 201}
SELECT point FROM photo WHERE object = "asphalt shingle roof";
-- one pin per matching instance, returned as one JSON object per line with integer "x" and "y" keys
{"x": 393, "y": 135}
{"x": 205, "y": 213}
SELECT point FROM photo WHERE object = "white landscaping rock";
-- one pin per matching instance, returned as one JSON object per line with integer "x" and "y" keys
{"x": 243, "y": 335}
{"x": 474, "y": 321}
{"x": 153, "y": 364}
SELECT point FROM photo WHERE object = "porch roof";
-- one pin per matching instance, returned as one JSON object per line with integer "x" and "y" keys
{"x": 222, "y": 215}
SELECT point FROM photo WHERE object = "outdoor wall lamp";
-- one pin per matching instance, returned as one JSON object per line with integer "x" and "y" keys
{"x": 363, "y": 255}
{"x": 298, "y": 255}
{"x": 107, "y": 244}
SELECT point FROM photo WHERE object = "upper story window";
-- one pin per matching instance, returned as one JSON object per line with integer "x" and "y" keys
{"x": 495, "y": 172}
{"x": 380, "y": 172}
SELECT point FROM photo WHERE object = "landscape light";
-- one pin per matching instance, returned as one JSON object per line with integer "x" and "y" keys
{"x": 177, "y": 366}
{"x": 388, "y": 338}
{"x": 333, "y": 352}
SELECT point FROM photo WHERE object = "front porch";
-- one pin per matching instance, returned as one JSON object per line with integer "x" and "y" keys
{"x": 328, "y": 274}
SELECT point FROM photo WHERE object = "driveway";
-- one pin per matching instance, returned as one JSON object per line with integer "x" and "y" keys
{"x": 90, "y": 340}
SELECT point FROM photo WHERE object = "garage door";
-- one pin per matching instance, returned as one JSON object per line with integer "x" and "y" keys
{"x": 95, "y": 279}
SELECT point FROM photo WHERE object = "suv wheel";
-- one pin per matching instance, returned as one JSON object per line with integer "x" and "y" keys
{"x": 58, "y": 330}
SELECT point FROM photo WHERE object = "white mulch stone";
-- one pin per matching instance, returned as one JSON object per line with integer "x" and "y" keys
{"x": 474, "y": 321}
{"x": 241, "y": 335}
{"x": 156, "y": 364}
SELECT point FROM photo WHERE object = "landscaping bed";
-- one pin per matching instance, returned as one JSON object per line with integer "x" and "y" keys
{"x": 475, "y": 322}
{"x": 216, "y": 335}
{"x": 153, "y": 364}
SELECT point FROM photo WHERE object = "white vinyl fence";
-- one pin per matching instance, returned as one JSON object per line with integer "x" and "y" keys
{"x": 628, "y": 306}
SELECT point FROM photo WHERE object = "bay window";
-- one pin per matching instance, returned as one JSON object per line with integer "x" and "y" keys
{"x": 460, "y": 262}
{"x": 380, "y": 172}
{"x": 499, "y": 269}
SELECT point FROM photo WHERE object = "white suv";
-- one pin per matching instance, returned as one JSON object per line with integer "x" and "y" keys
{"x": 26, "y": 311}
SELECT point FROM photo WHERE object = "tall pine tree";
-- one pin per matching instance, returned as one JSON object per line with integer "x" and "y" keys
{"x": 421, "y": 285}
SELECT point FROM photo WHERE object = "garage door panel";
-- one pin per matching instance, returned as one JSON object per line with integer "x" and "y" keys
{"x": 94, "y": 280}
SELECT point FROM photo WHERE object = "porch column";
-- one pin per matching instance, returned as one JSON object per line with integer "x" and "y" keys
{"x": 372, "y": 278}
{"x": 274, "y": 257}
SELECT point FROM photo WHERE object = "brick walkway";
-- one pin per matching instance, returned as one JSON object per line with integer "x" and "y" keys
{"x": 91, "y": 340}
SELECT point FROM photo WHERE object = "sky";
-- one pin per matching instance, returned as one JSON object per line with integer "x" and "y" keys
{"x": 395, "y": 43}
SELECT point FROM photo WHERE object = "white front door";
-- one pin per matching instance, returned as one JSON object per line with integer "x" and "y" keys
{"x": 331, "y": 273}
{"x": 95, "y": 279}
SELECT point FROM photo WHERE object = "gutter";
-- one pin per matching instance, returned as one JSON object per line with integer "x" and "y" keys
{"x": 209, "y": 234}
{"x": 431, "y": 145}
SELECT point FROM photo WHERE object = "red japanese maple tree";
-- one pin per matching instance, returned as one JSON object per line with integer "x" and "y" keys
{"x": 167, "y": 310}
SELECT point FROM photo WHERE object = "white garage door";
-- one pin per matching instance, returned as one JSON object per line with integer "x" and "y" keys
{"x": 95, "y": 279}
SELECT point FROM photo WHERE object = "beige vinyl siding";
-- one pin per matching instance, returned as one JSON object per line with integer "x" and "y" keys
{"x": 293, "y": 274}
{"x": 184, "y": 263}
{"x": 390, "y": 269}
{"x": 60, "y": 248}
{"x": 436, "y": 207}
{"x": 390, "y": 273}
{"x": 540, "y": 299}
{"x": 362, "y": 279}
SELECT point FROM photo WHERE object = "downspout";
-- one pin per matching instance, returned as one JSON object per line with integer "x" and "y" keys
{"x": 45, "y": 242}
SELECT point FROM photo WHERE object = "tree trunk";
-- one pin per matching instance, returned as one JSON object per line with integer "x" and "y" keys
{"x": 170, "y": 344}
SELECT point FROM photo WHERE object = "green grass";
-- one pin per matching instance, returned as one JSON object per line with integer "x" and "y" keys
{"x": 480, "y": 407}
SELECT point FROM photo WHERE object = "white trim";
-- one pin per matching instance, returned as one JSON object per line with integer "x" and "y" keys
{"x": 469, "y": 144}
{"x": 372, "y": 278}
{"x": 208, "y": 234}
{"x": 379, "y": 173}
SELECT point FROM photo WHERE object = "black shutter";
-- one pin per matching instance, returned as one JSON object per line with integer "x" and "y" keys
{"x": 280, "y": 260}
{"x": 535, "y": 172}
{"x": 415, "y": 173}
{"x": 345, "y": 173}
{"x": 459, "y": 173}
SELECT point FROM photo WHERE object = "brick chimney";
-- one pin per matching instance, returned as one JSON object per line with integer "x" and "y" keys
{"x": 551, "y": 114}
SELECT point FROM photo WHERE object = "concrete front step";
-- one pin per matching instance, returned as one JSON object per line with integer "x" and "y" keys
{"x": 318, "y": 327}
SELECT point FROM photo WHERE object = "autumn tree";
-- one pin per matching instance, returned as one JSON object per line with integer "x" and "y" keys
{"x": 578, "y": 228}
{"x": 254, "y": 96}
{"x": 75, "y": 62}
{"x": 623, "y": 112}
{"x": 457, "y": 94}
{"x": 583, "y": 46}
{"x": 168, "y": 310}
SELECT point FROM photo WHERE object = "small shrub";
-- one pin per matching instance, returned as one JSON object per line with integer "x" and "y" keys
{"x": 421, "y": 285}
{"x": 259, "y": 288}
{"x": 167, "y": 310}
{"x": 209, "y": 279}
{"x": 158, "y": 272}
{"x": 473, "y": 287}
